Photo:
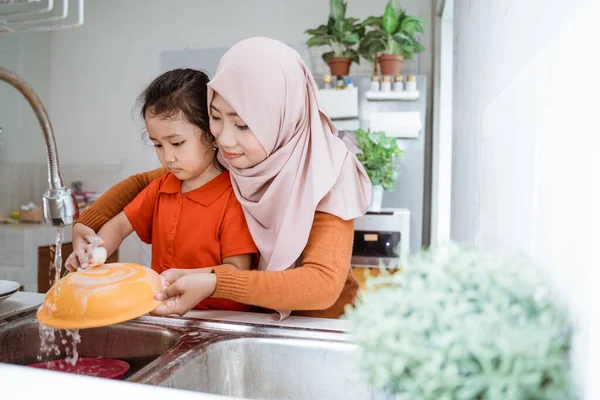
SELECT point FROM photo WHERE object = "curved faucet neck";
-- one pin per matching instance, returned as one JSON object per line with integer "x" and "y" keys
{"x": 59, "y": 204}
{"x": 54, "y": 179}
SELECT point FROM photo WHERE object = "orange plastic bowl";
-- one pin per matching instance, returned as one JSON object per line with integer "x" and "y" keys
{"x": 103, "y": 295}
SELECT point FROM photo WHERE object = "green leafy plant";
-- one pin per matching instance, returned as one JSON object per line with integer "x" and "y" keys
{"x": 378, "y": 153}
{"x": 340, "y": 34}
{"x": 458, "y": 323}
{"x": 393, "y": 33}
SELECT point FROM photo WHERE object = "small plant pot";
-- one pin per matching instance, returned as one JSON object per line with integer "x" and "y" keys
{"x": 376, "y": 198}
{"x": 339, "y": 66}
{"x": 390, "y": 64}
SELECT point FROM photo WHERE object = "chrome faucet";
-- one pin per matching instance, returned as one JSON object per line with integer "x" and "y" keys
{"x": 58, "y": 204}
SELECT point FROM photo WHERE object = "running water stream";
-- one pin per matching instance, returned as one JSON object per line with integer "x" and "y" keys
{"x": 58, "y": 239}
{"x": 55, "y": 342}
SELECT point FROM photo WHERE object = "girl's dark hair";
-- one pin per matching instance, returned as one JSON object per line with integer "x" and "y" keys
{"x": 179, "y": 91}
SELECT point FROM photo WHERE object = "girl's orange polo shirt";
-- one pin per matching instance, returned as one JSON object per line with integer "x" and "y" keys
{"x": 196, "y": 229}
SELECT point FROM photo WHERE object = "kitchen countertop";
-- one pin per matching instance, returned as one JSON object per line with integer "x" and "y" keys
{"x": 29, "y": 383}
{"x": 21, "y": 301}
{"x": 376, "y": 262}
{"x": 18, "y": 379}
{"x": 19, "y": 245}
{"x": 18, "y": 302}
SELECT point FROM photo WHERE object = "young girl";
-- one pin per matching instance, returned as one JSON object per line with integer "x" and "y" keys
{"x": 190, "y": 215}
{"x": 299, "y": 186}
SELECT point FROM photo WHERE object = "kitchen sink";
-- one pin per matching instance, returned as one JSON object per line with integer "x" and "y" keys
{"x": 274, "y": 368}
{"x": 209, "y": 356}
{"x": 136, "y": 343}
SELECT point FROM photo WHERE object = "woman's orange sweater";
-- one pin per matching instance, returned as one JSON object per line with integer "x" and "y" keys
{"x": 320, "y": 287}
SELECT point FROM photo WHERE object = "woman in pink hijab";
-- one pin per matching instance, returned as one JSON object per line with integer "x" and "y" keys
{"x": 298, "y": 185}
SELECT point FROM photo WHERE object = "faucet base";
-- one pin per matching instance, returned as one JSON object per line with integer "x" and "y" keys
{"x": 60, "y": 207}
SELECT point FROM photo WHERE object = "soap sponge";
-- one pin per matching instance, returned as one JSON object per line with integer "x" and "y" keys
{"x": 98, "y": 256}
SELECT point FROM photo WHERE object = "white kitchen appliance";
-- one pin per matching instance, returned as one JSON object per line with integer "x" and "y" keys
{"x": 383, "y": 234}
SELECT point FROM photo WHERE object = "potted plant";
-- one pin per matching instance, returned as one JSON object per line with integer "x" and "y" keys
{"x": 341, "y": 35}
{"x": 458, "y": 323}
{"x": 392, "y": 39}
{"x": 378, "y": 154}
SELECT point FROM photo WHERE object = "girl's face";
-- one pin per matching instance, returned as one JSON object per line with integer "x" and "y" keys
{"x": 179, "y": 146}
{"x": 236, "y": 141}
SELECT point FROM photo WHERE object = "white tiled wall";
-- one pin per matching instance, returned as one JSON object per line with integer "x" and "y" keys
{"x": 21, "y": 183}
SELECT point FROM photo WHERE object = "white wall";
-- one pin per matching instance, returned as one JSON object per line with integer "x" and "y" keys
{"x": 27, "y": 55}
{"x": 488, "y": 56}
{"x": 442, "y": 125}
{"x": 525, "y": 169}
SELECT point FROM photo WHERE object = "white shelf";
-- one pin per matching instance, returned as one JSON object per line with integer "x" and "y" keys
{"x": 383, "y": 96}
{"x": 351, "y": 124}
{"x": 340, "y": 103}
{"x": 397, "y": 124}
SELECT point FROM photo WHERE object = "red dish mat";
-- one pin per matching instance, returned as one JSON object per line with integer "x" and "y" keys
{"x": 100, "y": 367}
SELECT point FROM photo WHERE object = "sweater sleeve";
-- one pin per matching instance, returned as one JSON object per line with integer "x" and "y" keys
{"x": 315, "y": 285}
{"x": 116, "y": 198}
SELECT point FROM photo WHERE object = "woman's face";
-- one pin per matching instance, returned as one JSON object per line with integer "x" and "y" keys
{"x": 236, "y": 141}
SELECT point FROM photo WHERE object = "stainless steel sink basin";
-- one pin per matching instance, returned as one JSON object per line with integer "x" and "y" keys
{"x": 274, "y": 368}
{"x": 138, "y": 344}
{"x": 231, "y": 359}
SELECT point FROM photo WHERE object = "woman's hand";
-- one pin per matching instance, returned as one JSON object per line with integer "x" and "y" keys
{"x": 185, "y": 289}
{"x": 84, "y": 241}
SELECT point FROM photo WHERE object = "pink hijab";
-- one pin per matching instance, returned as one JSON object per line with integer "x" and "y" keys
{"x": 308, "y": 168}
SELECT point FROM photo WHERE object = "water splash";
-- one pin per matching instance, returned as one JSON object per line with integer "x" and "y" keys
{"x": 55, "y": 342}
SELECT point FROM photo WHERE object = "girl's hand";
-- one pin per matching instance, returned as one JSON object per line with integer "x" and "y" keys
{"x": 80, "y": 232}
{"x": 87, "y": 250}
{"x": 185, "y": 289}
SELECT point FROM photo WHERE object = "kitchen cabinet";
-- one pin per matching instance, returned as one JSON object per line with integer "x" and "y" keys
{"x": 45, "y": 258}
{"x": 362, "y": 273}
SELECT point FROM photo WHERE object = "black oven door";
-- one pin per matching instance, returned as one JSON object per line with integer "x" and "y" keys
{"x": 376, "y": 244}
